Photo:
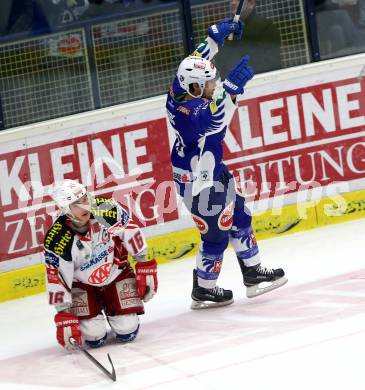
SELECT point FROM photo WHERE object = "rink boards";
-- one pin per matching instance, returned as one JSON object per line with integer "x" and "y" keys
{"x": 295, "y": 145}
{"x": 184, "y": 243}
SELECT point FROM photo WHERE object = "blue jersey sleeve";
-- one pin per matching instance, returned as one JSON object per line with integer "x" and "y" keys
{"x": 207, "y": 49}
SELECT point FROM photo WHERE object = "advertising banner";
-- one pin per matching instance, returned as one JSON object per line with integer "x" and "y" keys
{"x": 285, "y": 138}
{"x": 130, "y": 163}
{"x": 298, "y": 139}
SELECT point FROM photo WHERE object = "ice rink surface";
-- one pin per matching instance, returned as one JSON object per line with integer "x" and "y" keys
{"x": 310, "y": 334}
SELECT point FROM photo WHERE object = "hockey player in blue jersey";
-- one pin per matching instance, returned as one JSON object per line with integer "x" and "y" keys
{"x": 199, "y": 109}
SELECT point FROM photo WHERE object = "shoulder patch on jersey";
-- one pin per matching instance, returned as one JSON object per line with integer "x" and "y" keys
{"x": 183, "y": 110}
{"x": 105, "y": 211}
{"x": 108, "y": 212}
{"x": 51, "y": 259}
{"x": 101, "y": 200}
{"x": 59, "y": 239}
{"x": 213, "y": 107}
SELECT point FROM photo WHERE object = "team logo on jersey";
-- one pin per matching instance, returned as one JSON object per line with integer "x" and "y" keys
{"x": 225, "y": 220}
{"x": 204, "y": 176}
{"x": 51, "y": 259}
{"x": 101, "y": 274}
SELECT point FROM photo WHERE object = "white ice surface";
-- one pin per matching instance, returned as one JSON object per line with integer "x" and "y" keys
{"x": 310, "y": 334}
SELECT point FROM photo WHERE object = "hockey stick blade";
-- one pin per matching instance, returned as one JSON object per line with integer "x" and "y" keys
{"x": 236, "y": 17}
{"x": 112, "y": 375}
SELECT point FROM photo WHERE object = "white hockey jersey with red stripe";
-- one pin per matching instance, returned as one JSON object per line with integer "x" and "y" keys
{"x": 95, "y": 258}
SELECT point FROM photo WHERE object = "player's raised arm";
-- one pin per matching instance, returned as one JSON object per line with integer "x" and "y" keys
{"x": 238, "y": 77}
{"x": 217, "y": 34}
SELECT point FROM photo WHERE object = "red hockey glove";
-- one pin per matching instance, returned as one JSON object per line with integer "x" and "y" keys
{"x": 146, "y": 275}
{"x": 68, "y": 325}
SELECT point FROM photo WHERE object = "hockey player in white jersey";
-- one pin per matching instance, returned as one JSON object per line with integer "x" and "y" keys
{"x": 200, "y": 109}
{"x": 89, "y": 278}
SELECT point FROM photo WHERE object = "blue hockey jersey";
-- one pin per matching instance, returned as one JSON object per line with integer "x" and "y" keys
{"x": 200, "y": 126}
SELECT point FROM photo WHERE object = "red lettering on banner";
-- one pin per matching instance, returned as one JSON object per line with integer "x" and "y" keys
{"x": 279, "y": 142}
{"x": 298, "y": 138}
{"x": 129, "y": 163}
{"x": 288, "y": 172}
{"x": 293, "y": 117}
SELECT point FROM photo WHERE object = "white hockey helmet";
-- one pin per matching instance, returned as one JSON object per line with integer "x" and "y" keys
{"x": 195, "y": 69}
{"x": 66, "y": 193}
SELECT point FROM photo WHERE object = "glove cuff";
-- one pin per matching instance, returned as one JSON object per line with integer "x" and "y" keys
{"x": 148, "y": 263}
{"x": 231, "y": 88}
{"x": 65, "y": 318}
{"x": 214, "y": 34}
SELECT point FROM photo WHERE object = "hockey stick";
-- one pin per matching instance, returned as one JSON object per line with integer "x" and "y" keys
{"x": 112, "y": 375}
{"x": 236, "y": 17}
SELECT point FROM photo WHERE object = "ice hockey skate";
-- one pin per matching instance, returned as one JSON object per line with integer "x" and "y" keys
{"x": 204, "y": 298}
{"x": 260, "y": 280}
